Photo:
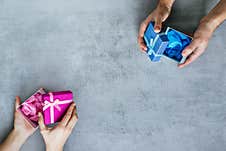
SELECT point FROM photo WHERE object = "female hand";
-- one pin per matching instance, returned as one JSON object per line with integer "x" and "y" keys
{"x": 20, "y": 124}
{"x": 159, "y": 15}
{"x": 21, "y": 131}
{"x": 56, "y": 137}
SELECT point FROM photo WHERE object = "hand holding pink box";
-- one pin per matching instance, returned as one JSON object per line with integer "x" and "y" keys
{"x": 53, "y": 105}
{"x": 56, "y": 105}
{"x": 30, "y": 108}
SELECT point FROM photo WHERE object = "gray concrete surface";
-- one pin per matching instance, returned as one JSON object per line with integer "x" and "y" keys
{"x": 125, "y": 102}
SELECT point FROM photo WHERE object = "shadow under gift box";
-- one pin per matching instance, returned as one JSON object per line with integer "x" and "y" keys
{"x": 30, "y": 107}
{"x": 56, "y": 105}
{"x": 169, "y": 42}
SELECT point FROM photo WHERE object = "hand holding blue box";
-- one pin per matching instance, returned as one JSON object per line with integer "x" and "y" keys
{"x": 169, "y": 43}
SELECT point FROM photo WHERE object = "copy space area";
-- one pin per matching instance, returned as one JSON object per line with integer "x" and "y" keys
{"x": 125, "y": 102}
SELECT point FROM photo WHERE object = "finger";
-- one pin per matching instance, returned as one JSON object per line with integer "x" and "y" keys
{"x": 142, "y": 29}
{"x": 41, "y": 122}
{"x": 190, "y": 48}
{"x": 76, "y": 114}
{"x": 73, "y": 120}
{"x": 158, "y": 25}
{"x": 17, "y": 102}
{"x": 68, "y": 115}
{"x": 141, "y": 43}
{"x": 144, "y": 25}
{"x": 190, "y": 59}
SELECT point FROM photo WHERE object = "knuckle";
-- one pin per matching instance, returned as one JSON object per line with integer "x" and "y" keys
{"x": 201, "y": 51}
{"x": 68, "y": 129}
{"x": 43, "y": 131}
{"x": 159, "y": 18}
{"x": 71, "y": 107}
{"x": 74, "y": 118}
{"x": 187, "y": 51}
{"x": 190, "y": 59}
{"x": 189, "y": 48}
{"x": 61, "y": 126}
{"x": 68, "y": 114}
{"x": 200, "y": 40}
{"x": 143, "y": 24}
{"x": 195, "y": 53}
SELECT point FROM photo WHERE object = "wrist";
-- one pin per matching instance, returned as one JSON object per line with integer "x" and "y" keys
{"x": 54, "y": 147}
{"x": 205, "y": 29}
{"x": 210, "y": 23}
{"x": 217, "y": 15}
{"x": 20, "y": 136}
{"x": 14, "y": 141}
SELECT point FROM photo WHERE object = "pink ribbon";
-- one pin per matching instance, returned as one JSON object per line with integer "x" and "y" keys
{"x": 54, "y": 103}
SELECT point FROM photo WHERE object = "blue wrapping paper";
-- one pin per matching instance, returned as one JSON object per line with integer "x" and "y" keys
{"x": 177, "y": 42}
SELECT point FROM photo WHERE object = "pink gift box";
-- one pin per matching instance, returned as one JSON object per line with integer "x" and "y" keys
{"x": 56, "y": 105}
{"x": 30, "y": 107}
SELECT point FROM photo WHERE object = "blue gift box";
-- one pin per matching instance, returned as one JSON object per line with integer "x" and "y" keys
{"x": 169, "y": 43}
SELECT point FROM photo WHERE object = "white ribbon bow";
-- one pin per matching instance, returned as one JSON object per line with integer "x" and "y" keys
{"x": 54, "y": 103}
{"x": 152, "y": 44}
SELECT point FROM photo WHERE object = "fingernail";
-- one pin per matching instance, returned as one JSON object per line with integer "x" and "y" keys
{"x": 180, "y": 66}
{"x": 157, "y": 29}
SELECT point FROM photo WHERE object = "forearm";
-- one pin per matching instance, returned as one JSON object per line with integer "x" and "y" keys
{"x": 216, "y": 16}
{"x": 166, "y": 3}
{"x": 13, "y": 142}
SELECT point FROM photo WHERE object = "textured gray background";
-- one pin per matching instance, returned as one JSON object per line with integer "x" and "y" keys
{"x": 125, "y": 102}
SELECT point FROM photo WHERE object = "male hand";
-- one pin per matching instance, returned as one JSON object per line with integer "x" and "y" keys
{"x": 159, "y": 15}
{"x": 198, "y": 44}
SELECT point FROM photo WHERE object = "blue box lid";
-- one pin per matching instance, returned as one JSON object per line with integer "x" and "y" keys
{"x": 156, "y": 43}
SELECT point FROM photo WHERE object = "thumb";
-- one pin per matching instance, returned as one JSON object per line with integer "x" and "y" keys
{"x": 158, "y": 25}
{"x": 17, "y": 102}
{"x": 41, "y": 121}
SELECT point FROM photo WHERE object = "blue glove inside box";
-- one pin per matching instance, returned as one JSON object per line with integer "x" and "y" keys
{"x": 169, "y": 42}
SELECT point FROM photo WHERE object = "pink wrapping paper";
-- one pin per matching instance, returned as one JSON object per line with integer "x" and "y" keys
{"x": 56, "y": 105}
{"x": 30, "y": 107}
